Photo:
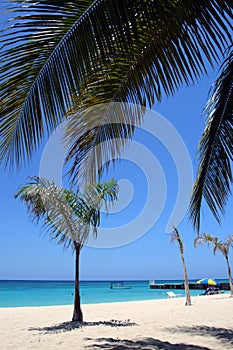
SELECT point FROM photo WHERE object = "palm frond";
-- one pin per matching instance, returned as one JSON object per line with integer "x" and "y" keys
{"x": 57, "y": 214}
{"x": 70, "y": 56}
{"x": 30, "y": 90}
{"x": 59, "y": 219}
{"x": 97, "y": 195}
{"x": 32, "y": 195}
{"x": 97, "y": 136}
{"x": 91, "y": 139}
{"x": 222, "y": 246}
{"x": 67, "y": 217}
{"x": 229, "y": 241}
{"x": 205, "y": 238}
{"x": 214, "y": 177}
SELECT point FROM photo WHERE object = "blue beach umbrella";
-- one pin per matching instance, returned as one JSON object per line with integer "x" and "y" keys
{"x": 209, "y": 281}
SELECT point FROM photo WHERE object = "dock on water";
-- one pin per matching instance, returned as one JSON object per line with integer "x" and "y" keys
{"x": 192, "y": 285}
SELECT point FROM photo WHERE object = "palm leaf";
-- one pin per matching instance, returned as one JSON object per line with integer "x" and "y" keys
{"x": 215, "y": 150}
{"x": 89, "y": 132}
{"x": 97, "y": 136}
{"x": 29, "y": 87}
{"x": 66, "y": 216}
{"x": 57, "y": 214}
{"x": 70, "y": 57}
{"x": 222, "y": 246}
{"x": 205, "y": 238}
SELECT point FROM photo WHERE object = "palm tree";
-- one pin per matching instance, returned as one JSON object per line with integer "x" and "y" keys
{"x": 175, "y": 236}
{"x": 58, "y": 58}
{"x": 68, "y": 217}
{"x": 222, "y": 246}
{"x": 215, "y": 150}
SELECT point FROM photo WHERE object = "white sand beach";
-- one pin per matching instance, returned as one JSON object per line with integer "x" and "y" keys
{"x": 158, "y": 324}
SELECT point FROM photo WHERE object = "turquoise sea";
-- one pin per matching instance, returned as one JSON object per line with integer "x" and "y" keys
{"x": 45, "y": 293}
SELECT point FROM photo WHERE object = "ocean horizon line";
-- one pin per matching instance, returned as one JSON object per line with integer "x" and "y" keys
{"x": 107, "y": 280}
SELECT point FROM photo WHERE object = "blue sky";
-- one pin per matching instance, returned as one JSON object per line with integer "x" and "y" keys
{"x": 27, "y": 253}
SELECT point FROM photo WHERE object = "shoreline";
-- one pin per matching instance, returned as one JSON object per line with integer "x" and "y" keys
{"x": 148, "y": 324}
{"x": 226, "y": 294}
{"x": 165, "y": 297}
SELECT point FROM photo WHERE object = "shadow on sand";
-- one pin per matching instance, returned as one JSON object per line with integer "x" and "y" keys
{"x": 69, "y": 326}
{"x": 143, "y": 344}
{"x": 222, "y": 334}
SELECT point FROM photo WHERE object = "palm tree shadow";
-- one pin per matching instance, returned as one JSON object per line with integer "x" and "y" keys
{"x": 69, "y": 326}
{"x": 145, "y": 343}
{"x": 222, "y": 334}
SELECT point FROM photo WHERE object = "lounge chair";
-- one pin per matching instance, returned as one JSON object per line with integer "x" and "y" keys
{"x": 172, "y": 295}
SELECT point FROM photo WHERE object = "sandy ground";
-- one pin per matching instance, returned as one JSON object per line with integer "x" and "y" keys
{"x": 158, "y": 324}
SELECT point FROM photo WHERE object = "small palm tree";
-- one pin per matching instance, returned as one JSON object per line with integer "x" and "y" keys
{"x": 175, "y": 236}
{"x": 67, "y": 216}
{"x": 222, "y": 246}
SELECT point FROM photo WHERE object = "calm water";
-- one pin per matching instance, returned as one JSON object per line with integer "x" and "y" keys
{"x": 44, "y": 293}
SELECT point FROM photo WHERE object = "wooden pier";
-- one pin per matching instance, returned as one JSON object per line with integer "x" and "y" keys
{"x": 192, "y": 285}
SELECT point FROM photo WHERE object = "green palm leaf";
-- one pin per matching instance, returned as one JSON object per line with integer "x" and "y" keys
{"x": 50, "y": 203}
{"x": 215, "y": 150}
{"x": 66, "y": 216}
{"x": 31, "y": 103}
{"x": 222, "y": 246}
{"x": 70, "y": 56}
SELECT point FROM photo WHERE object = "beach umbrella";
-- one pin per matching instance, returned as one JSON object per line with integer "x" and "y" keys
{"x": 209, "y": 281}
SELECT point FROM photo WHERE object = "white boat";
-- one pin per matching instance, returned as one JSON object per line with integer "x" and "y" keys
{"x": 119, "y": 285}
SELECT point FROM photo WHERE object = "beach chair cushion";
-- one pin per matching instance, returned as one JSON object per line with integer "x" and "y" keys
{"x": 172, "y": 295}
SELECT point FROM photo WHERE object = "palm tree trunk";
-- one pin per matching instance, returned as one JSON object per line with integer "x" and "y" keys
{"x": 186, "y": 283}
{"x": 230, "y": 277}
{"x": 77, "y": 315}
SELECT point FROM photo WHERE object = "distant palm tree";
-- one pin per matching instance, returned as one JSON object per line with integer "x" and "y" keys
{"x": 215, "y": 150}
{"x": 175, "y": 236}
{"x": 68, "y": 217}
{"x": 222, "y": 246}
{"x": 60, "y": 57}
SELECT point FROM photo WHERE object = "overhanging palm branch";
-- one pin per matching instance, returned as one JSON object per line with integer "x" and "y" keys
{"x": 214, "y": 177}
{"x": 58, "y": 57}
